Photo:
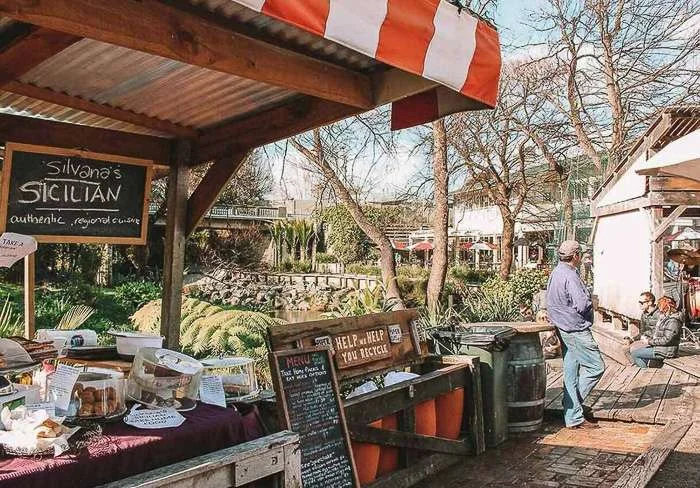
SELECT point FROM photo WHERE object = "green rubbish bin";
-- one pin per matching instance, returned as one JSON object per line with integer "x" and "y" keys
{"x": 490, "y": 345}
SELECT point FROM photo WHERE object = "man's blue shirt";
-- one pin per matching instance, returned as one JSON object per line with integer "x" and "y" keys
{"x": 569, "y": 304}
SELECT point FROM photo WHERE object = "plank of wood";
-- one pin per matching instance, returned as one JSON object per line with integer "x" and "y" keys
{"x": 164, "y": 30}
{"x": 28, "y": 130}
{"x": 554, "y": 394}
{"x": 88, "y": 106}
{"x": 674, "y": 198}
{"x": 666, "y": 183}
{"x": 219, "y": 468}
{"x": 553, "y": 378}
{"x": 407, "y": 439}
{"x": 611, "y": 372}
{"x": 651, "y": 399}
{"x": 648, "y": 463}
{"x": 663, "y": 225}
{"x": 209, "y": 189}
{"x": 422, "y": 469}
{"x": 174, "y": 249}
{"x": 678, "y": 401}
{"x": 29, "y": 295}
{"x": 29, "y": 47}
{"x": 601, "y": 408}
{"x": 628, "y": 401}
{"x": 687, "y": 364}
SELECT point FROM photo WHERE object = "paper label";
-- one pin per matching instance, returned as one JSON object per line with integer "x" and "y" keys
{"x": 211, "y": 391}
{"x": 161, "y": 418}
{"x": 61, "y": 385}
{"x": 14, "y": 247}
{"x": 50, "y": 408}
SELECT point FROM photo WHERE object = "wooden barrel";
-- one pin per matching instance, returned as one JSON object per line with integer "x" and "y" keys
{"x": 527, "y": 383}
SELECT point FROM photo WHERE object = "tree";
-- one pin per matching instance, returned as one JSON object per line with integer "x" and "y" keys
{"x": 495, "y": 154}
{"x": 616, "y": 63}
{"x": 438, "y": 270}
{"x": 332, "y": 151}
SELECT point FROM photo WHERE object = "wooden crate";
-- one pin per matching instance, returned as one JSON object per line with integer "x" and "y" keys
{"x": 421, "y": 455}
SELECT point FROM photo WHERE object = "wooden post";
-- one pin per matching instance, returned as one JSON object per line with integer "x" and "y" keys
{"x": 657, "y": 254}
{"x": 174, "y": 260}
{"x": 29, "y": 287}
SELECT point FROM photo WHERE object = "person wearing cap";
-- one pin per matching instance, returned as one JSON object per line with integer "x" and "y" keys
{"x": 570, "y": 309}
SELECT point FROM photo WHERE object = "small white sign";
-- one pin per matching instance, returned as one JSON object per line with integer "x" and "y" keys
{"x": 211, "y": 391}
{"x": 395, "y": 334}
{"x": 49, "y": 407}
{"x": 160, "y": 418}
{"x": 14, "y": 247}
{"x": 61, "y": 385}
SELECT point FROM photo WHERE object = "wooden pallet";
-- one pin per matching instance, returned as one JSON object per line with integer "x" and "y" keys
{"x": 631, "y": 394}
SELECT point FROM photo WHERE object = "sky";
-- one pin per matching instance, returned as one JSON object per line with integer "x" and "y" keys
{"x": 392, "y": 178}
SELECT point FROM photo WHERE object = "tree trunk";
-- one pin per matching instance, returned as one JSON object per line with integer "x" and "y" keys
{"x": 568, "y": 209}
{"x": 507, "y": 242}
{"x": 438, "y": 271}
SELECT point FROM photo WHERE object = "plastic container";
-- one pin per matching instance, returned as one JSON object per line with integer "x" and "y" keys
{"x": 366, "y": 454}
{"x": 237, "y": 375}
{"x": 490, "y": 344}
{"x": 94, "y": 396}
{"x": 164, "y": 379}
{"x": 450, "y": 413}
{"x": 129, "y": 343}
{"x": 67, "y": 338}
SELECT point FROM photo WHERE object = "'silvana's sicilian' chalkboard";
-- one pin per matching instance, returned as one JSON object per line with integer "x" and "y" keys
{"x": 63, "y": 195}
{"x": 309, "y": 402}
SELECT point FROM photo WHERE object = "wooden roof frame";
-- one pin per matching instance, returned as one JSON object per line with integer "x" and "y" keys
{"x": 177, "y": 30}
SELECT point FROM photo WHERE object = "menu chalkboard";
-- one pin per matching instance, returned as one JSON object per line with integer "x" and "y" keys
{"x": 307, "y": 393}
{"x": 62, "y": 195}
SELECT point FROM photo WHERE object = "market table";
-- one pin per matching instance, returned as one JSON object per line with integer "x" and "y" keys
{"x": 123, "y": 450}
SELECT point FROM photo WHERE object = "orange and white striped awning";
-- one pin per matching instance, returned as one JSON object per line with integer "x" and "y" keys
{"x": 430, "y": 38}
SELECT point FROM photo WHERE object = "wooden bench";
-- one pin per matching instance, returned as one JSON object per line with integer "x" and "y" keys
{"x": 277, "y": 455}
{"x": 421, "y": 455}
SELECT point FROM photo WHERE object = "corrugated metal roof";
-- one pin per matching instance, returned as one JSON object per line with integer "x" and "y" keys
{"x": 28, "y": 107}
{"x": 152, "y": 85}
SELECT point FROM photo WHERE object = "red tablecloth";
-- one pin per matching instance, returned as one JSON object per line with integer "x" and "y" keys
{"x": 124, "y": 450}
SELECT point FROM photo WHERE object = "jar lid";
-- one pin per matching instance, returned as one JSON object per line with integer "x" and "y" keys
{"x": 172, "y": 360}
{"x": 226, "y": 362}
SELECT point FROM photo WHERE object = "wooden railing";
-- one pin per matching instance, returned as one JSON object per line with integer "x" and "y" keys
{"x": 233, "y": 212}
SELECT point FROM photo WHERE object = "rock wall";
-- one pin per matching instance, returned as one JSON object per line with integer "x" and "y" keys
{"x": 255, "y": 291}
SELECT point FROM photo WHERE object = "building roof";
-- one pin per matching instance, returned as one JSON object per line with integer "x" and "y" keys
{"x": 227, "y": 74}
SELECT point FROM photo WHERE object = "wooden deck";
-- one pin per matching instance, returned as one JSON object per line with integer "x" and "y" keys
{"x": 631, "y": 394}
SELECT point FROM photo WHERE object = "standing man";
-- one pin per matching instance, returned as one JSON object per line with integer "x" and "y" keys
{"x": 570, "y": 309}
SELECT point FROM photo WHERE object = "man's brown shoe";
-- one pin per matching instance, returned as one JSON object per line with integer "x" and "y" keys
{"x": 585, "y": 425}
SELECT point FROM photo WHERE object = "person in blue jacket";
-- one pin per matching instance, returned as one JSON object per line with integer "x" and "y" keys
{"x": 570, "y": 309}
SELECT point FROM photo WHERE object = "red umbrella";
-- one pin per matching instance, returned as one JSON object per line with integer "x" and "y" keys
{"x": 399, "y": 245}
{"x": 466, "y": 245}
{"x": 422, "y": 246}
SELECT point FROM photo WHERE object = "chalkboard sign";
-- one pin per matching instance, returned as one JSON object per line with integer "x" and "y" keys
{"x": 307, "y": 393}
{"x": 63, "y": 195}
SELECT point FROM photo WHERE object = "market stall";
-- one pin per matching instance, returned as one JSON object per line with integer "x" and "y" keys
{"x": 647, "y": 209}
{"x": 99, "y": 97}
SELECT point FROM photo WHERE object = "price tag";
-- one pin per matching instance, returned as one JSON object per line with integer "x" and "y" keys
{"x": 161, "y": 418}
{"x": 211, "y": 391}
{"x": 50, "y": 408}
{"x": 62, "y": 383}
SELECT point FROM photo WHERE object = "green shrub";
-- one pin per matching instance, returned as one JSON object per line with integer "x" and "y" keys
{"x": 363, "y": 269}
{"x": 323, "y": 257}
{"x": 413, "y": 271}
{"x": 526, "y": 283}
{"x": 496, "y": 305}
{"x": 468, "y": 275}
{"x": 362, "y": 302}
{"x": 413, "y": 290}
{"x": 134, "y": 294}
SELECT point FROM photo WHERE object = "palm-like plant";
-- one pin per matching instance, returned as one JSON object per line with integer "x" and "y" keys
{"x": 290, "y": 237}
{"x": 305, "y": 231}
{"x": 75, "y": 317}
{"x": 277, "y": 233}
{"x": 10, "y": 325}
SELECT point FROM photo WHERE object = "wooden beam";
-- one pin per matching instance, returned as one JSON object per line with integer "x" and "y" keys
{"x": 30, "y": 47}
{"x": 643, "y": 469}
{"x": 295, "y": 117}
{"x": 31, "y": 130}
{"x": 620, "y": 207}
{"x": 663, "y": 225}
{"x": 397, "y": 438}
{"x": 413, "y": 475}
{"x": 671, "y": 183}
{"x": 657, "y": 253}
{"x": 175, "y": 241}
{"x": 29, "y": 296}
{"x": 209, "y": 189}
{"x": 163, "y": 30}
{"x": 675, "y": 198}
{"x": 88, "y": 106}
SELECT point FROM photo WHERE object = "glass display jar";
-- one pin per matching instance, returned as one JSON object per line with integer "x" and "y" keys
{"x": 94, "y": 396}
{"x": 237, "y": 375}
{"x": 164, "y": 379}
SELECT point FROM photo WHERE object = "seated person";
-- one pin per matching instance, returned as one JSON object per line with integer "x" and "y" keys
{"x": 664, "y": 342}
{"x": 650, "y": 315}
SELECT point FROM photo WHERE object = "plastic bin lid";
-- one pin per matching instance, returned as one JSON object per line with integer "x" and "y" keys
{"x": 478, "y": 334}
